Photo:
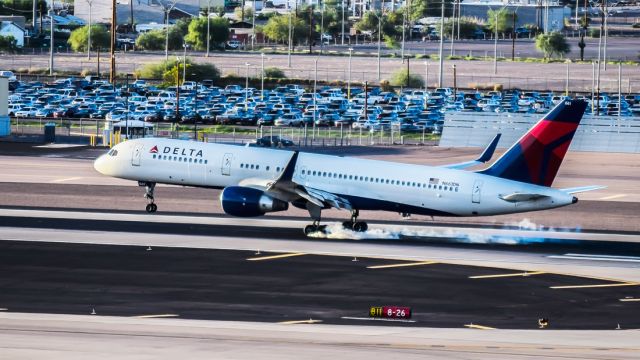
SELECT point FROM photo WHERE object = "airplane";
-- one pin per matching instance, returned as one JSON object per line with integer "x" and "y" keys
{"x": 255, "y": 181}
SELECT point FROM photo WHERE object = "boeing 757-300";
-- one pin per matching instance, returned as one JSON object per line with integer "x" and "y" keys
{"x": 255, "y": 181}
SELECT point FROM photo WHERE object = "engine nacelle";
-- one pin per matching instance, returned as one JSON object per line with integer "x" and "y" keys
{"x": 248, "y": 202}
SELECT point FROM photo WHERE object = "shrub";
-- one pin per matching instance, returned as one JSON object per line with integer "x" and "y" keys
{"x": 166, "y": 70}
{"x": 274, "y": 72}
{"x": 400, "y": 79}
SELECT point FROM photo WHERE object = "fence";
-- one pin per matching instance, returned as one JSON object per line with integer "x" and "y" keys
{"x": 89, "y": 130}
{"x": 605, "y": 133}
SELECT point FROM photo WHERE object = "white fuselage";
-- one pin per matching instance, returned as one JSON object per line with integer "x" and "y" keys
{"x": 367, "y": 184}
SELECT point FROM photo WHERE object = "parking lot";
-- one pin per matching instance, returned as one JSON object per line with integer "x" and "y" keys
{"x": 87, "y": 106}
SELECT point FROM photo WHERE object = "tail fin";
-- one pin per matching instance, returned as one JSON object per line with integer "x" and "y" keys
{"x": 536, "y": 157}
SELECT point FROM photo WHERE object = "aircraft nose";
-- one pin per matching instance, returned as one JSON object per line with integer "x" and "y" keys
{"x": 100, "y": 164}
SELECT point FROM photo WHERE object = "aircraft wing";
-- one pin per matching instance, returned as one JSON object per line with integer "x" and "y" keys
{"x": 484, "y": 157}
{"x": 284, "y": 188}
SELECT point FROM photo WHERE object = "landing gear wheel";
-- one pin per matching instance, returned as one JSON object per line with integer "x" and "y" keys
{"x": 360, "y": 226}
{"x": 310, "y": 229}
{"x": 149, "y": 187}
{"x": 151, "y": 208}
{"x": 348, "y": 225}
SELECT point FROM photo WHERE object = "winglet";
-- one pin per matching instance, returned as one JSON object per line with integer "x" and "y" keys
{"x": 490, "y": 149}
{"x": 287, "y": 173}
{"x": 484, "y": 157}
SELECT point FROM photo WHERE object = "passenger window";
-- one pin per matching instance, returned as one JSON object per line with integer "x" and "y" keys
{"x": 206, "y": 161}
{"x": 267, "y": 168}
{"x": 303, "y": 172}
{"x": 324, "y": 174}
{"x": 241, "y": 165}
{"x": 251, "y": 166}
{"x": 154, "y": 156}
{"x": 190, "y": 160}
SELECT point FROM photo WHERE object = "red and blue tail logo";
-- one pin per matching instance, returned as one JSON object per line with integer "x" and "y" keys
{"x": 537, "y": 156}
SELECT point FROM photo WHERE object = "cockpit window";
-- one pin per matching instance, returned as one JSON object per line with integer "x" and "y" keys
{"x": 113, "y": 152}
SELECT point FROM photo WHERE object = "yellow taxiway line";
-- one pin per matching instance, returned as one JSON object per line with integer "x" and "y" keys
{"x": 273, "y": 257}
{"x": 474, "y": 326}
{"x": 310, "y": 321}
{"x": 594, "y": 286}
{"x": 402, "y": 265}
{"x": 507, "y": 275}
{"x": 65, "y": 179}
{"x": 157, "y": 316}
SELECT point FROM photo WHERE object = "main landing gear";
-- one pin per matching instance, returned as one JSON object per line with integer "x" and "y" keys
{"x": 354, "y": 224}
{"x": 149, "y": 187}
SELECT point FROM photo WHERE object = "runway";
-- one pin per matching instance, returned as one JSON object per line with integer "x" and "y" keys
{"x": 190, "y": 282}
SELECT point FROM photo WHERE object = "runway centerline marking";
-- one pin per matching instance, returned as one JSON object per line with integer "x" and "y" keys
{"x": 3, "y": 309}
{"x": 630, "y": 300}
{"x": 157, "y": 316}
{"x": 617, "y": 196}
{"x": 293, "y": 322}
{"x": 66, "y": 179}
{"x": 596, "y": 257}
{"x": 480, "y": 327}
{"x": 273, "y": 257}
{"x": 522, "y": 274}
{"x": 594, "y": 286}
{"x": 402, "y": 265}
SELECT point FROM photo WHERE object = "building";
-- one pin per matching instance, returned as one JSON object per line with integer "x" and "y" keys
{"x": 142, "y": 11}
{"x": 548, "y": 16}
{"x": 8, "y": 28}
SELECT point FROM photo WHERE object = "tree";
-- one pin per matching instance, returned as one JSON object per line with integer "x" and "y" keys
{"x": 167, "y": 70}
{"x": 274, "y": 72}
{"x": 468, "y": 27}
{"x": 248, "y": 13}
{"x": 277, "y": 28}
{"x": 369, "y": 23}
{"x": 78, "y": 40}
{"x": 218, "y": 32}
{"x": 505, "y": 20}
{"x": 7, "y": 43}
{"x": 425, "y": 8}
{"x": 552, "y": 43}
{"x": 151, "y": 40}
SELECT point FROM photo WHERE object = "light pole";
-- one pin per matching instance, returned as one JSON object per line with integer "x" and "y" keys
{"x": 90, "y": 2}
{"x": 253, "y": 24}
{"x": 440, "y": 59}
{"x": 167, "y": 6}
{"x": 262, "y": 77}
{"x": 404, "y": 26}
{"x": 184, "y": 61}
{"x": 208, "y": 25}
{"x": 126, "y": 104}
{"x": 315, "y": 89}
{"x": 453, "y": 28}
{"x": 342, "y": 8}
{"x": 246, "y": 87}
{"x": 495, "y": 46}
{"x": 51, "y": 44}
{"x": 195, "y": 110}
{"x": 322, "y": 28}
{"x": 290, "y": 37}
{"x": 177, "y": 88}
{"x": 426, "y": 79}
{"x": 349, "y": 77}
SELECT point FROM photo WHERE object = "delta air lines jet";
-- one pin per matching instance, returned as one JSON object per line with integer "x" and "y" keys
{"x": 255, "y": 180}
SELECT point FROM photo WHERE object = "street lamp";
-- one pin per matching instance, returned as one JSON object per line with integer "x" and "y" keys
{"x": 184, "y": 61}
{"x": 495, "y": 46}
{"x": 342, "y": 8}
{"x": 379, "y": 17}
{"x": 315, "y": 89}
{"x": 126, "y": 105}
{"x": 349, "y": 77}
{"x": 262, "y": 77}
{"x": 246, "y": 87}
{"x": 290, "y": 37}
{"x": 167, "y": 6}
{"x": 177, "y": 88}
{"x": 440, "y": 59}
{"x": 90, "y": 2}
{"x": 51, "y": 45}
{"x": 195, "y": 110}
{"x": 209, "y": 25}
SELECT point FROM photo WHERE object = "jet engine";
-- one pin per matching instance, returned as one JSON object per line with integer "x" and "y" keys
{"x": 248, "y": 202}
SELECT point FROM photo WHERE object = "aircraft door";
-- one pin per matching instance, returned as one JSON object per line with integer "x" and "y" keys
{"x": 137, "y": 154}
{"x": 476, "y": 192}
{"x": 226, "y": 164}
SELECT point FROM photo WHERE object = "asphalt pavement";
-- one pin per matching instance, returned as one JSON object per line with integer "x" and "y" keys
{"x": 266, "y": 287}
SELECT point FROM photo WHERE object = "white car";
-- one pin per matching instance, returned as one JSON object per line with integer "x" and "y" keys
{"x": 26, "y": 112}
{"x": 289, "y": 120}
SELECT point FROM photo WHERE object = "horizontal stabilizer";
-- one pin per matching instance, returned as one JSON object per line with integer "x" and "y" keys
{"x": 484, "y": 157}
{"x": 520, "y": 197}
{"x": 580, "y": 189}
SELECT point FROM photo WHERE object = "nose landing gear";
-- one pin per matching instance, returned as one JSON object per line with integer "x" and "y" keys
{"x": 149, "y": 187}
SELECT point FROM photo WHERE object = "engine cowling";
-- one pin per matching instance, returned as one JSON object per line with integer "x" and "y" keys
{"x": 248, "y": 202}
